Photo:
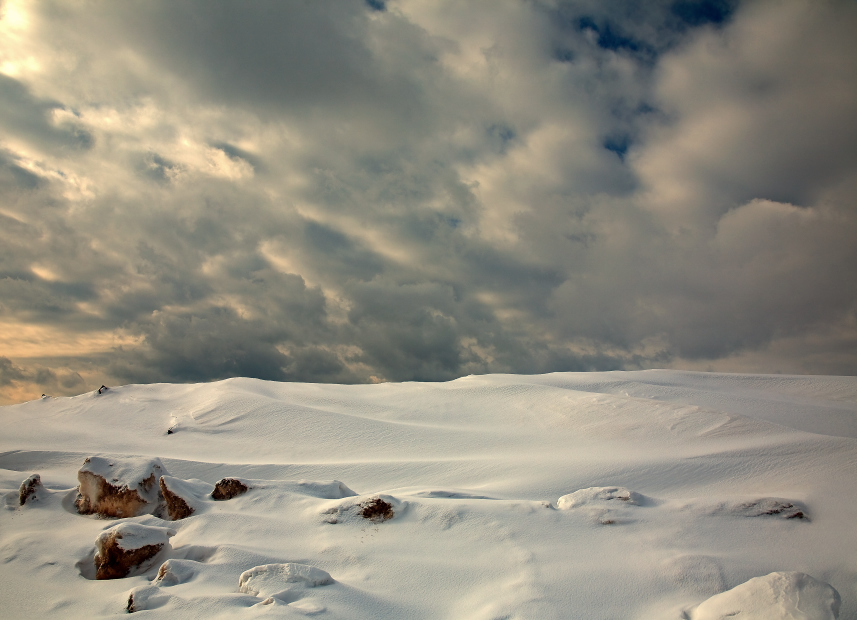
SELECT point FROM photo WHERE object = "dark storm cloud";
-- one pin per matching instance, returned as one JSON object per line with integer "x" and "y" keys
{"x": 353, "y": 191}
{"x": 9, "y": 372}
{"x": 23, "y": 114}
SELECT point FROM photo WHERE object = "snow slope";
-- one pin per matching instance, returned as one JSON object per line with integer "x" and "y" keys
{"x": 675, "y": 487}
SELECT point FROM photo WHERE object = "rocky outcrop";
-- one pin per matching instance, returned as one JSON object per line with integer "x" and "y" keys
{"x": 126, "y": 547}
{"x": 119, "y": 488}
{"x": 229, "y": 488}
{"x": 29, "y": 489}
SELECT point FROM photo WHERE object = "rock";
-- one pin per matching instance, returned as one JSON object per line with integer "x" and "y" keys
{"x": 228, "y": 488}
{"x": 282, "y": 581}
{"x": 777, "y": 596}
{"x": 119, "y": 488}
{"x": 128, "y": 546}
{"x": 377, "y": 509}
{"x": 29, "y": 489}
{"x": 177, "y": 506}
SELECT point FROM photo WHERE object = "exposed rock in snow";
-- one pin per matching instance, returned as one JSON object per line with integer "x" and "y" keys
{"x": 377, "y": 508}
{"x": 282, "y": 581}
{"x": 182, "y": 497}
{"x": 229, "y": 488}
{"x": 177, "y": 506}
{"x": 128, "y": 546}
{"x": 777, "y": 596}
{"x": 29, "y": 489}
{"x": 598, "y": 495}
{"x": 765, "y": 507}
{"x": 114, "y": 488}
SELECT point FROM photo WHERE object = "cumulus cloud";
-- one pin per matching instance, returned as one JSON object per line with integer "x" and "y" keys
{"x": 365, "y": 191}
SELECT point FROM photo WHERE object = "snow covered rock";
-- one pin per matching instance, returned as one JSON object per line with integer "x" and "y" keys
{"x": 173, "y": 572}
{"x": 182, "y": 497}
{"x": 29, "y": 489}
{"x": 282, "y": 581}
{"x": 598, "y": 495}
{"x": 778, "y": 596}
{"x": 114, "y": 488}
{"x": 229, "y": 488}
{"x": 127, "y": 546}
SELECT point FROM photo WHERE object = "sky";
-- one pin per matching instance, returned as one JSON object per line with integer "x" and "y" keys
{"x": 363, "y": 190}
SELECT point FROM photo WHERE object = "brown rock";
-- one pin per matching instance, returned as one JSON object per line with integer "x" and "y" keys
{"x": 377, "y": 510}
{"x": 228, "y": 488}
{"x": 29, "y": 488}
{"x": 177, "y": 506}
{"x": 118, "y": 488}
{"x": 126, "y": 546}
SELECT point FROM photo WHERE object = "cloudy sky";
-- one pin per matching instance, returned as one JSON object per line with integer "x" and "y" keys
{"x": 368, "y": 190}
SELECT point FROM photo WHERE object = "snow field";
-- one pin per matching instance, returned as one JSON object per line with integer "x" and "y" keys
{"x": 602, "y": 495}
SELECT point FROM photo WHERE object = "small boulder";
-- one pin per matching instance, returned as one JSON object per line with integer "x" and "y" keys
{"x": 29, "y": 489}
{"x": 228, "y": 488}
{"x": 119, "y": 488}
{"x": 377, "y": 510}
{"x": 126, "y": 547}
{"x": 773, "y": 597}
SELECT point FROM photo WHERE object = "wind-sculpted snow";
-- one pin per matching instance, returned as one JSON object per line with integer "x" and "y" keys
{"x": 516, "y": 497}
{"x": 778, "y": 596}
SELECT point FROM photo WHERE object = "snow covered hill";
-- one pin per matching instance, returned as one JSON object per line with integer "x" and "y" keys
{"x": 623, "y": 495}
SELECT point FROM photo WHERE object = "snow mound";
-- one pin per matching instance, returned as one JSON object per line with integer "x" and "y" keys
{"x": 119, "y": 488}
{"x": 332, "y": 489}
{"x": 144, "y": 598}
{"x": 282, "y": 581}
{"x": 173, "y": 572}
{"x": 128, "y": 546}
{"x": 599, "y": 495}
{"x": 778, "y": 596}
{"x": 445, "y": 494}
{"x": 765, "y": 507}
